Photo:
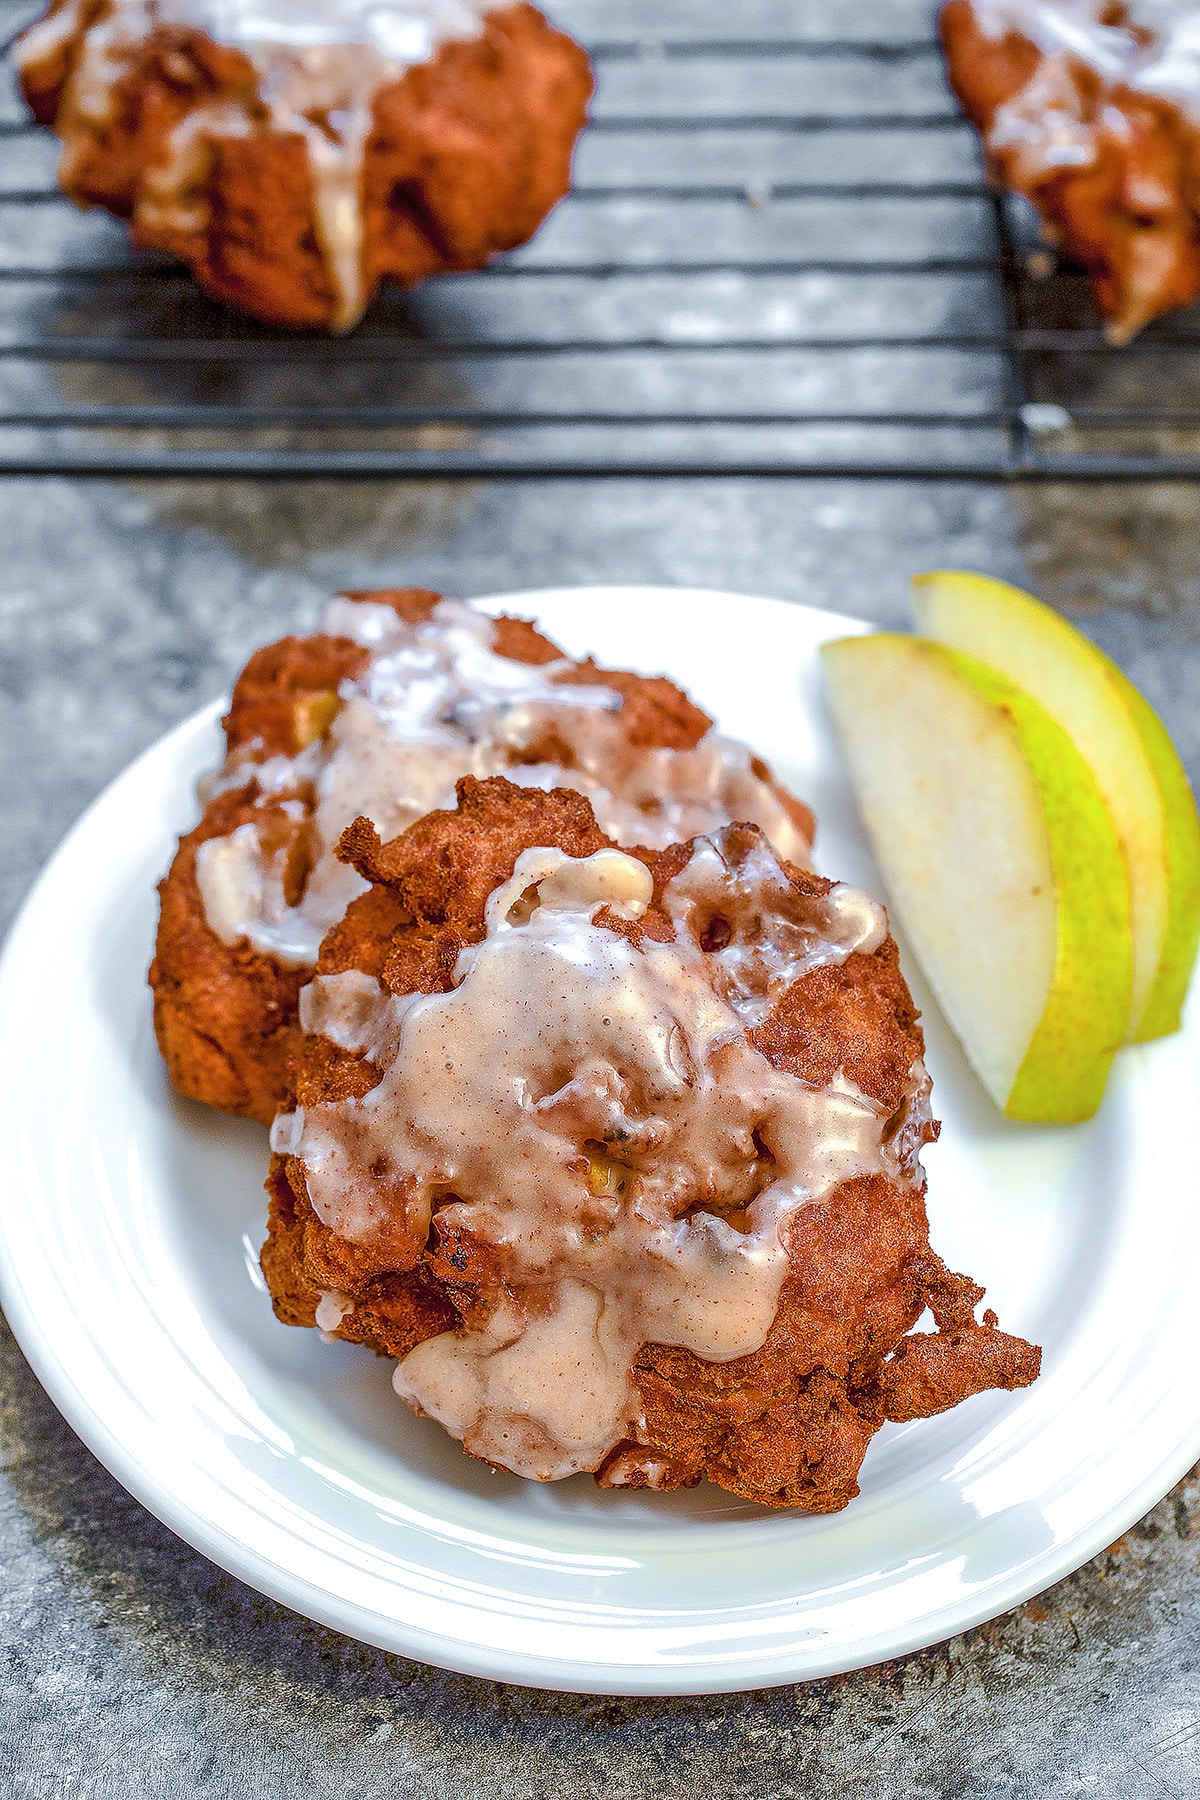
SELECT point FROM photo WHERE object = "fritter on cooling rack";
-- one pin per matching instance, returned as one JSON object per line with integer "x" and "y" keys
{"x": 294, "y": 156}
{"x": 1088, "y": 108}
{"x": 379, "y": 714}
{"x": 618, "y": 1153}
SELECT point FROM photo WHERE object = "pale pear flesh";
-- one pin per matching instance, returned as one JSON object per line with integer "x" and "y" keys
{"x": 1001, "y": 863}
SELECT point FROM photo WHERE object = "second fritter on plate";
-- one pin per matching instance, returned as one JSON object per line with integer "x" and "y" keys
{"x": 379, "y": 714}
{"x": 617, "y": 1152}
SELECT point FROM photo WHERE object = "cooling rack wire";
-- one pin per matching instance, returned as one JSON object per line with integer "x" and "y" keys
{"x": 781, "y": 258}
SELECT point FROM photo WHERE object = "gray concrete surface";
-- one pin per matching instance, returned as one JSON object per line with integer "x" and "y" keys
{"x": 130, "y": 1666}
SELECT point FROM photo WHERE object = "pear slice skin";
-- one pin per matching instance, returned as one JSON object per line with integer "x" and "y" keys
{"x": 1001, "y": 860}
{"x": 1129, "y": 750}
{"x": 1182, "y": 936}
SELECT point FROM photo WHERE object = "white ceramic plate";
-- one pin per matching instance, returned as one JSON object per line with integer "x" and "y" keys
{"x": 131, "y": 1221}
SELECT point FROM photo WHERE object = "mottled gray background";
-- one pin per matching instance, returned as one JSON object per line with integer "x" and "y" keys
{"x": 129, "y": 1665}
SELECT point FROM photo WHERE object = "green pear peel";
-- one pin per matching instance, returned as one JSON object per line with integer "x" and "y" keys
{"x": 1164, "y": 1007}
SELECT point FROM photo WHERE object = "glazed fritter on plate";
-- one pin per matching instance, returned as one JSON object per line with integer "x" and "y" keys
{"x": 294, "y": 153}
{"x": 379, "y": 714}
{"x": 617, "y": 1151}
{"x": 1091, "y": 109}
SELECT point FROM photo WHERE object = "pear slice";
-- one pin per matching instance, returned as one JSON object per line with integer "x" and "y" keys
{"x": 1001, "y": 860}
{"x": 1131, "y": 756}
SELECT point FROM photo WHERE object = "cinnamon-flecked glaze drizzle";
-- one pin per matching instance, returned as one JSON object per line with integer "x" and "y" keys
{"x": 588, "y": 1115}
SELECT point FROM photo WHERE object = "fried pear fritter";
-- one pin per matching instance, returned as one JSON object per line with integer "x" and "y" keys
{"x": 618, "y": 1154}
{"x": 293, "y": 164}
{"x": 325, "y": 727}
{"x": 1087, "y": 108}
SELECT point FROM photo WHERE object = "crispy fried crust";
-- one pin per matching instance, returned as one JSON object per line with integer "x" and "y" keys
{"x": 1128, "y": 212}
{"x": 468, "y": 153}
{"x": 657, "y": 714}
{"x": 402, "y": 1307}
{"x": 226, "y": 1016}
{"x": 787, "y": 1426}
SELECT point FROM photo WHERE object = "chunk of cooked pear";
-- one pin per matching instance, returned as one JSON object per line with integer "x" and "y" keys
{"x": 312, "y": 715}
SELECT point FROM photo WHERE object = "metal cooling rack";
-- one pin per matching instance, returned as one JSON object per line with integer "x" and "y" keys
{"x": 780, "y": 259}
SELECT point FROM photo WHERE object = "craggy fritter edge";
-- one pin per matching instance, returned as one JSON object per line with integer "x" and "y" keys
{"x": 1128, "y": 217}
{"x": 467, "y": 154}
{"x": 787, "y": 1426}
{"x": 225, "y": 1016}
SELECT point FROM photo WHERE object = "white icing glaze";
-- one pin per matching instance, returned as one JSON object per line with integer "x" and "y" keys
{"x": 1156, "y": 47}
{"x": 776, "y": 938}
{"x": 320, "y": 64}
{"x": 436, "y": 704}
{"x": 242, "y": 876}
{"x": 332, "y": 1308}
{"x": 1155, "y": 51}
{"x": 592, "y": 1120}
{"x": 635, "y": 1468}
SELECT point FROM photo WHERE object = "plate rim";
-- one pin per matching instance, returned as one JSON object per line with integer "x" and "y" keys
{"x": 519, "y": 1667}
